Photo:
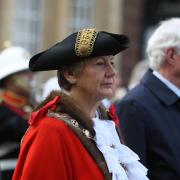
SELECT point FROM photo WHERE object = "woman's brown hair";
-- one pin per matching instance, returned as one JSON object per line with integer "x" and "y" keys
{"x": 76, "y": 68}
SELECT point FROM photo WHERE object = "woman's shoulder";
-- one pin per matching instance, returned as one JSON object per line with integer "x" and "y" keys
{"x": 52, "y": 124}
{"x": 47, "y": 128}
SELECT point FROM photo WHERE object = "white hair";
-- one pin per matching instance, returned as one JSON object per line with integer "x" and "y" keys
{"x": 167, "y": 35}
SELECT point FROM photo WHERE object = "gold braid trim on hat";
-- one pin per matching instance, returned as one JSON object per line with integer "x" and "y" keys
{"x": 85, "y": 42}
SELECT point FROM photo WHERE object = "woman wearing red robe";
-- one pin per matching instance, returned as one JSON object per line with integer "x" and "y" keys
{"x": 71, "y": 137}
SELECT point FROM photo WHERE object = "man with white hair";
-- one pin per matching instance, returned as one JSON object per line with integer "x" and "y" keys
{"x": 150, "y": 113}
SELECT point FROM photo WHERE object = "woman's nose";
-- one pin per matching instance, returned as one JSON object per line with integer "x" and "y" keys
{"x": 110, "y": 70}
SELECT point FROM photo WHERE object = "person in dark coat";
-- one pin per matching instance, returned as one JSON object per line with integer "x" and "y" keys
{"x": 150, "y": 113}
{"x": 14, "y": 106}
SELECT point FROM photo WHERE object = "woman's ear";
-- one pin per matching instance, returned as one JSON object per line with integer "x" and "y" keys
{"x": 70, "y": 76}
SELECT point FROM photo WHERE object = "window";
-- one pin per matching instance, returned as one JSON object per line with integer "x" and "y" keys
{"x": 27, "y": 24}
{"x": 81, "y": 14}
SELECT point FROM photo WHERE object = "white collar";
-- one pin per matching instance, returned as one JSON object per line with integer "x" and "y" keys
{"x": 169, "y": 84}
{"x": 121, "y": 161}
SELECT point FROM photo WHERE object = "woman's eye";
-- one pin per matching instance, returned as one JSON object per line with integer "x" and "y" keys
{"x": 100, "y": 63}
{"x": 112, "y": 63}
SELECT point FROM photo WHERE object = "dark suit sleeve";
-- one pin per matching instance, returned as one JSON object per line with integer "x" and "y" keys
{"x": 132, "y": 121}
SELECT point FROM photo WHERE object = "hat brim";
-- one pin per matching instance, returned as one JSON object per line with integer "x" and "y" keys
{"x": 63, "y": 53}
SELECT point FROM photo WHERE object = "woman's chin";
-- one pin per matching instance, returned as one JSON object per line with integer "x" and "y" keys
{"x": 108, "y": 94}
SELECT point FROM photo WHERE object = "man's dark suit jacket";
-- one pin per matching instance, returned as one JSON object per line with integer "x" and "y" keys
{"x": 150, "y": 121}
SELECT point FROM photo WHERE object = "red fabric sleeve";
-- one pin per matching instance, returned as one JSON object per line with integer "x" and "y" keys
{"x": 43, "y": 156}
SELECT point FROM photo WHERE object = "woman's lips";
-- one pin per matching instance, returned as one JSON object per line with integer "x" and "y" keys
{"x": 107, "y": 84}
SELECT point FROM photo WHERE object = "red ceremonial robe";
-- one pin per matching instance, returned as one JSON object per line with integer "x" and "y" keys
{"x": 55, "y": 150}
{"x": 51, "y": 151}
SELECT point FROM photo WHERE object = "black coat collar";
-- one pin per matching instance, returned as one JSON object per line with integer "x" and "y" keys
{"x": 158, "y": 88}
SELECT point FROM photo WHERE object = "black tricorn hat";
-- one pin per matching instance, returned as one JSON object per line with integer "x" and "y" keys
{"x": 81, "y": 45}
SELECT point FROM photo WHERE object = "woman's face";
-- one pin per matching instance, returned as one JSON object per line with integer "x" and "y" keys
{"x": 97, "y": 78}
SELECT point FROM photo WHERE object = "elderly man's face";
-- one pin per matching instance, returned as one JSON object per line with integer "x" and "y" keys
{"x": 176, "y": 71}
{"x": 171, "y": 69}
{"x": 97, "y": 78}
